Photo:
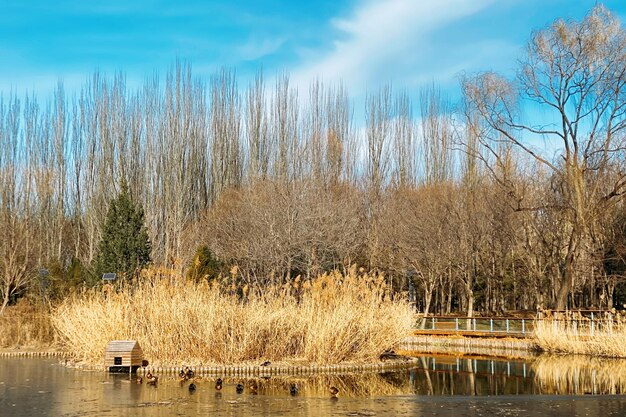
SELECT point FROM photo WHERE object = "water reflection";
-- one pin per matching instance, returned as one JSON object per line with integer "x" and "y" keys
{"x": 39, "y": 387}
{"x": 579, "y": 375}
{"x": 471, "y": 377}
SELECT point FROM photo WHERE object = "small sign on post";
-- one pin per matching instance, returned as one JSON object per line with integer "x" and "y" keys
{"x": 109, "y": 276}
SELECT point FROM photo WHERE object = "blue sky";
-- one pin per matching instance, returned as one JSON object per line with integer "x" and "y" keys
{"x": 363, "y": 42}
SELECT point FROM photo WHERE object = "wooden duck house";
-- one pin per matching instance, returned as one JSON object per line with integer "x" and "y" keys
{"x": 123, "y": 356}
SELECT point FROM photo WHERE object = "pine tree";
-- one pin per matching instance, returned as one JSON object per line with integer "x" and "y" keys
{"x": 125, "y": 246}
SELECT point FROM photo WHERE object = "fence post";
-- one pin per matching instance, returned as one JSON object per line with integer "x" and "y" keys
{"x": 491, "y": 325}
{"x": 523, "y": 330}
{"x": 456, "y": 323}
{"x": 507, "y": 325}
{"x": 592, "y": 324}
{"x": 433, "y": 323}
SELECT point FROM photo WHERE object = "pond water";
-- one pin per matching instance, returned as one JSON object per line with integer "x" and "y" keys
{"x": 438, "y": 386}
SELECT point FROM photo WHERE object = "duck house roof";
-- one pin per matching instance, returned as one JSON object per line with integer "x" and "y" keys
{"x": 122, "y": 345}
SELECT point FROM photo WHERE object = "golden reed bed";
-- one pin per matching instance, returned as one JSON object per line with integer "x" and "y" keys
{"x": 329, "y": 319}
{"x": 606, "y": 338}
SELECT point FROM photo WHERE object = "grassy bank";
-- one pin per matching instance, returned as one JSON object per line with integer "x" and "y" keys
{"x": 329, "y": 319}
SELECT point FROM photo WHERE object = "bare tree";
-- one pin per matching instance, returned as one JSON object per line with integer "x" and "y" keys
{"x": 576, "y": 71}
{"x": 436, "y": 135}
{"x": 378, "y": 120}
{"x": 404, "y": 154}
{"x": 17, "y": 228}
{"x": 256, "y": 130}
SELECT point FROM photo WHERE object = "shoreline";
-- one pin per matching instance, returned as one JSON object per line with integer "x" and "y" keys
{"x": 31, "y": 353}
{"x": 284, "y": 370}
{"x": 415, "y": 344}
{"x": 506, "y": 348}
{"x": 278, "y": 369}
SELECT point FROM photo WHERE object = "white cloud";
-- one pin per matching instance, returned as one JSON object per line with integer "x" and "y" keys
{"x": 386, "y": 40}
{"x": 257, "y": 48}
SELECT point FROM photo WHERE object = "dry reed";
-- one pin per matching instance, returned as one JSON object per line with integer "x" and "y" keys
{"x": 26, "y": 326}
{"x": 605, "y": 338}
{"x": 329, "y": 319}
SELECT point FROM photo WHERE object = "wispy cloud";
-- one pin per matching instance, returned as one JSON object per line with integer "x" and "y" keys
{"x": 386, "y": 39}
{"x": 256, "y": 47}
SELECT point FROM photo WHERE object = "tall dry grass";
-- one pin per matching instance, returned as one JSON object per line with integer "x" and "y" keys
{"x": 606, "y": 338}
{"x": 26, "y": 325}
{"x": 329, "y": 319}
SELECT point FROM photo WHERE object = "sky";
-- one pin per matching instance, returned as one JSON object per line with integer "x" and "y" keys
{"x": 364, "y": 43}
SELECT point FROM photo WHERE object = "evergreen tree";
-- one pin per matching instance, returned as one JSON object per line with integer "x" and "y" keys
{"x": 204, "y": 265}
{"x": 125, "y": 246}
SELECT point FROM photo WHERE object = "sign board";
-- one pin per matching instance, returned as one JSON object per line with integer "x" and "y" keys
{"x": 109, "y": 276}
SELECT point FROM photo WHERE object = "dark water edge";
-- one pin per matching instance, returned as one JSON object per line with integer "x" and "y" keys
{"x": 440, "y": 387}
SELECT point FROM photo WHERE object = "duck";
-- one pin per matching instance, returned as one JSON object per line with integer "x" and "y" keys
{"x": 334, "y": 392}
{"x": 253, "y": 387}
{"x": 144, "y": 363}
{"x": 188, "y": 372}
{"x": 294, "y": 389}
{"x": 151, "y": 379}
{"x": 139, "y": 380}
{"x": 192, "y": 387}
{"x": 182, "y": 375}
{"x": 239, "y": 388}
{"x": 218, "y": 384}
{"x": 266, "y": 363}
{"x": 391, "y": 355}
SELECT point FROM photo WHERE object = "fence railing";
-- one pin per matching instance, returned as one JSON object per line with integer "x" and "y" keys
{"x": 579, "y": 321}
{"x": 477, "y": 324}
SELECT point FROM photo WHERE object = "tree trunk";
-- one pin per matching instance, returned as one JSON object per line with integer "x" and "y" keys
{"x": 428, "y": 295}
{"x": 561, "y": 297}
{"x": 5, "y": 301}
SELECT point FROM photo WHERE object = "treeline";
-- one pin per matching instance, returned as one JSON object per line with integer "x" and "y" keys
{"x": 461, "y": 204}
